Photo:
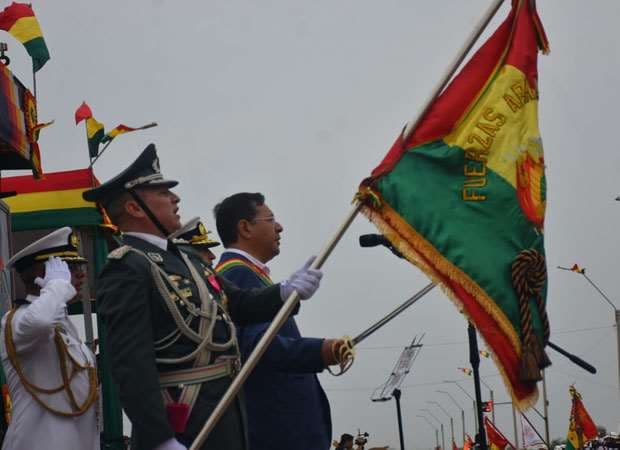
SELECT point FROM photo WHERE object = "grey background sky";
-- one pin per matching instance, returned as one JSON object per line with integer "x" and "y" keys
{"x": 300, "y": 100}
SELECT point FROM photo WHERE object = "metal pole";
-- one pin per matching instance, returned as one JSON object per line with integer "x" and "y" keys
{"x": 293, "y": 299}
{"x": 471, "y": 398}
{"x": 618, "y": 337}
{"x": 545, "y": 408}
{"x": 514, "y": 424}
{"x": 396, "y": 395}
{"x": 452, "y": 429}
{"x": 443, "y": 439}
{"x": 474, "y": 360}
{"x": 433, "y": 427}
{"x": 458, "y": 405}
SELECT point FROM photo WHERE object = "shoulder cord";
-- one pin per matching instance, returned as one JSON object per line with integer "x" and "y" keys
{"x": 63, "y": 354}
{"x": 204, "y": 339}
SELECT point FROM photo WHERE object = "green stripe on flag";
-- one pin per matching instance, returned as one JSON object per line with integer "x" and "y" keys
{"x": 37, "y": 49}
{"x": 478, "y": 237}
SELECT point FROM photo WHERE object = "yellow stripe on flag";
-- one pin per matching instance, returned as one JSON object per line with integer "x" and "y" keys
{"x": 92, "y": 127}
{"x": 483, "y": 133}
{"x": 40, "y": 201}
{"x": 26, "y": 29}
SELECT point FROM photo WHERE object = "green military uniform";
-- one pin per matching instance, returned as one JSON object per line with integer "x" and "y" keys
{"x": 170, "y": 332}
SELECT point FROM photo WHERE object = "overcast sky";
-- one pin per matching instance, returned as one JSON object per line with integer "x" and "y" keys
{"x": 300, "y": 100}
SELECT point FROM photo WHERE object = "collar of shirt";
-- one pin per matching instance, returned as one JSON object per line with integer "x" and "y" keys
{"x": 150, "y": 238}
{"x": 31, "y": 298}
{"x": 252, "y": 259}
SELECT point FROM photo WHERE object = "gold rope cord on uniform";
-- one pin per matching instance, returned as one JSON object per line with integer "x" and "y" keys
{"x": 529, "y": 274}
{"x": 63, "y": 354}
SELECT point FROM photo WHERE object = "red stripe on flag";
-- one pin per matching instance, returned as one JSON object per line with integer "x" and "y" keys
{"x": 57, "y": 181}
{"x": 83, "y": 112}
{"x": 13, "y": 13}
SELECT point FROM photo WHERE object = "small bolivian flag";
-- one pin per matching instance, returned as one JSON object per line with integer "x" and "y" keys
{"x": 95, "y": 133}
{"x": 465, "y": 370}
{"x": 484, "y": 353}
{"x": 121, "y": 129}
{"x": 578, "y": 269}
{"x": 19, "y": 20}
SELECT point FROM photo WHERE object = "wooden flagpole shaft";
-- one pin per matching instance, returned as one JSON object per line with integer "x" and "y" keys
{"x": 293, "y": 299}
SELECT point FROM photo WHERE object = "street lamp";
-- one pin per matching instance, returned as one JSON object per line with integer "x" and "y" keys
{"x": 443, "y": 437}
{"x": 433, "y": 427}
{"x": 473, "y": 400}
{"x": 449, "y": 416}
{"x": 458, "y": 405}
{"x": 582, "y": 271}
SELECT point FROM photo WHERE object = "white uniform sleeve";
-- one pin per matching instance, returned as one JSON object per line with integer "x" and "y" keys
{"x": 37, "y": 321}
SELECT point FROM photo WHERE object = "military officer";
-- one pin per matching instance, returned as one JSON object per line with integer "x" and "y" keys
{"x": 51, "y": 374}
{"x": 194, "y": 235}
{"x": 169, "y": 318}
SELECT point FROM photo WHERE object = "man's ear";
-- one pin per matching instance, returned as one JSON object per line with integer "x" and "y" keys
{"x": 244, "y": 229}
{"x": 132, "y": 209}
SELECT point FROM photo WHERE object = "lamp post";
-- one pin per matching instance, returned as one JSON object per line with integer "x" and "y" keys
{"x": 582, "y": 271}
{"x": 449, "y": 416}
{"x": 433, "y": 427}
{"x": 443, "y": 437}
{"x": 473, "y": 400}
{"x": 459, "y": 407}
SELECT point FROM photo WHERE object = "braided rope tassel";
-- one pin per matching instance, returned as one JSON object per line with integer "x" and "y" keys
{"x": 344, "y": 352}
{"x": 529, "y": 274}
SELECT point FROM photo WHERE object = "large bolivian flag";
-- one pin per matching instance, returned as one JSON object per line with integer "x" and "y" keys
{"x": 463, "y": 198}
{"x": 53, "y": 201}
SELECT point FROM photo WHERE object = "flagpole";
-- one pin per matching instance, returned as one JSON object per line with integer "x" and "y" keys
{"x": 94, "y": 160}
{"x": 293, "y": 299}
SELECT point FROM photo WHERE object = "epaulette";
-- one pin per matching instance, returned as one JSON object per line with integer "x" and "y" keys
{"x": 119, "y": 253}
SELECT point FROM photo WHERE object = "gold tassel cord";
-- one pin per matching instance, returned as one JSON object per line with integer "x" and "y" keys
{"x": 63, "y": 355}
{"x": 528, "y": 278}
{"x": 344, "y": 353}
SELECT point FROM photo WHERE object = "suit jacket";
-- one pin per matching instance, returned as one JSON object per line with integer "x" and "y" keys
{"x": 135, "y": 316}
{"x": 286, "y": 405}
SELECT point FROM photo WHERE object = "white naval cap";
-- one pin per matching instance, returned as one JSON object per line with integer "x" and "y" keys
{"x": 62, "y": 243}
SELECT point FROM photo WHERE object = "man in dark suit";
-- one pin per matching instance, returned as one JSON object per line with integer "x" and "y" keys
{"x": 287, "y": 407}
{"x": 169, "y": 319}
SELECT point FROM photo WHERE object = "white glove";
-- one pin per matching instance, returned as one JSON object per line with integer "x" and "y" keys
{"x": 171, "y": 444}
{"x": 55, "y": 269}
{"x": 305, "y": 281}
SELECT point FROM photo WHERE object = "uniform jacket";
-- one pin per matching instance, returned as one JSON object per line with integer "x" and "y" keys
{"x": 286, "y": 405}
{"x": 135, "y": 316}
{"x": 33, "y": 427}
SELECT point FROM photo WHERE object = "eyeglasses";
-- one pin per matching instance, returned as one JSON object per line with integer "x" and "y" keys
{"x": 270, "y": 219}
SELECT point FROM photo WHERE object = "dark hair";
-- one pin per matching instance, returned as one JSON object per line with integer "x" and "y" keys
{"x": 230, "y": 211}
{"x": 343, "y": 440}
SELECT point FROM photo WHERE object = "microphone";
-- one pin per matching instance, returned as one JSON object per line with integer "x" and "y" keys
{"x": 373, "y": 240}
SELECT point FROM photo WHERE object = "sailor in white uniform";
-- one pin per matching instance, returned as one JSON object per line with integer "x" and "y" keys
{"x": 51, "y": 374}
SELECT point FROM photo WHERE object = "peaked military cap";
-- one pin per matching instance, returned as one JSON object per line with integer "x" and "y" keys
{"x": 62, "y": 243}
{"x": 194, "y": 233}
{"x": 143, "y": 172}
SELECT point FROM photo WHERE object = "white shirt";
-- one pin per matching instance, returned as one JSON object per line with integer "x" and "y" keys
{"x": 262, "y": 266}
{"x": 33, "y": 427}
{"x": 150, "y": 238}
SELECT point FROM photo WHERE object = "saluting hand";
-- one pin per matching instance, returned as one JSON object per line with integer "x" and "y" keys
{"x": 55, "y": 269}
{"x": 305, "y": 281}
